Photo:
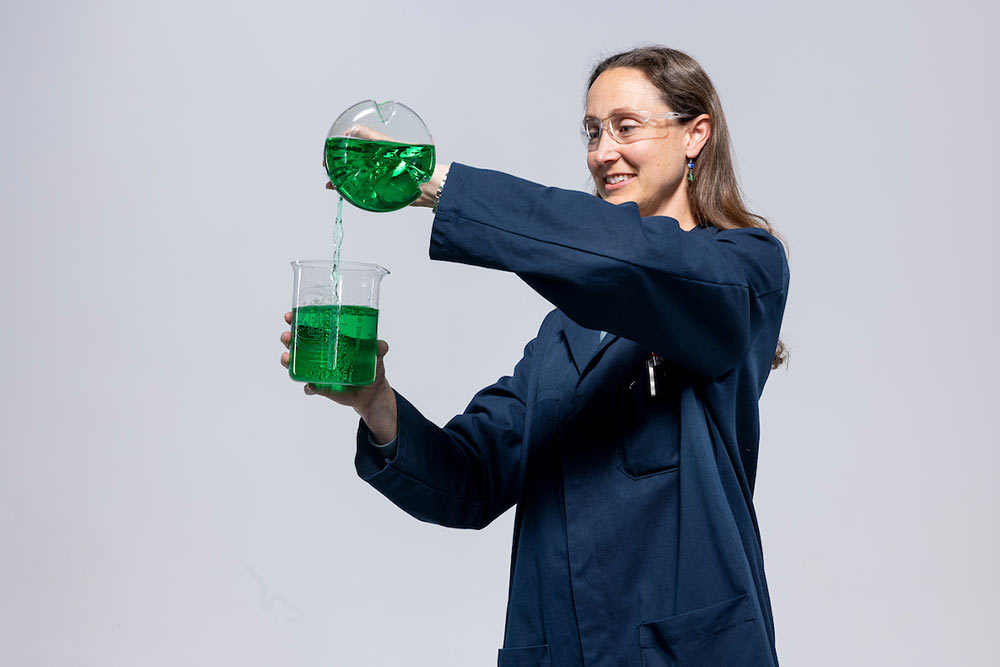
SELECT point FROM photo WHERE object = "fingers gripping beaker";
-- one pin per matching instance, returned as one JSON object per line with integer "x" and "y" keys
{"x": 334, "y": 336}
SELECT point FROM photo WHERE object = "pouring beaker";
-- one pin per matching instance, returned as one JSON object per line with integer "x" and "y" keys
{"x": 378, "y": 154}
{"x": 334, "y": 336}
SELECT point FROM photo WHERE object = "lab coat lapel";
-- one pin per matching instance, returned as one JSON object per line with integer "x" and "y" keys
{"x": 583, "y": 345}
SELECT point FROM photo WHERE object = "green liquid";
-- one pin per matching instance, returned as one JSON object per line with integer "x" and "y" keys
{"x": 378, "y": 175}
{"x": 318, "y": 355}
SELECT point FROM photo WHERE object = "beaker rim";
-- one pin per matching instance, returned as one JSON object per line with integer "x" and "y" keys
{"x": 344, "y": 266}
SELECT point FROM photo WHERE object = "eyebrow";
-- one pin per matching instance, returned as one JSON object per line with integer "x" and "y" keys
{"x": 614, "y": 111}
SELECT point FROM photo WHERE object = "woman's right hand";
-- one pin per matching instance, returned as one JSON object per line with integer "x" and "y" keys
{"x": 375, "y": 402}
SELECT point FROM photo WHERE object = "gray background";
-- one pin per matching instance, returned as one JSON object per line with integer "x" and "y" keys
{"x": 168, "y": 496}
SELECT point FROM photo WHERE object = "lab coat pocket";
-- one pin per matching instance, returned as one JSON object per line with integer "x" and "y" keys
{"x": 532, "y": 656}
{"x": 649, "y": 437}
{"x": 721, "y": 634}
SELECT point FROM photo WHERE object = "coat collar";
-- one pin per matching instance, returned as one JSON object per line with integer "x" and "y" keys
{"x": 583, "y": 344}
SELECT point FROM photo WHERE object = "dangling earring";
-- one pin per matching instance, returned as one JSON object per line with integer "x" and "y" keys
{"x": 691, "y": 170}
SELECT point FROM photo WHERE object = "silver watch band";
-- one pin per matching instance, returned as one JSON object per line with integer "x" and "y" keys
{"x": 437, "y": 195}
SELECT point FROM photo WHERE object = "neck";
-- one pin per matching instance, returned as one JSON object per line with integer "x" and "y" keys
{"x": 688, "y": 223}
{"x": 678, "y": 208}
{"x": 679, "y": 211}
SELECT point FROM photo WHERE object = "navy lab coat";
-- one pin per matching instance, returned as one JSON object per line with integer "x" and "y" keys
{"x": 635, "y": 538}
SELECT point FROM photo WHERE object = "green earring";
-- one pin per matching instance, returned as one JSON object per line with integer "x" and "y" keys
{"x": 691, "y": 170}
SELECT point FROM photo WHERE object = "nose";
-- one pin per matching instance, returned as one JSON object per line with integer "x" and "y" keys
{"x": 607, "y": 149}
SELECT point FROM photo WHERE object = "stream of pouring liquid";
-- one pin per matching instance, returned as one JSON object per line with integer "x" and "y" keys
{"x": 336, "y": 278}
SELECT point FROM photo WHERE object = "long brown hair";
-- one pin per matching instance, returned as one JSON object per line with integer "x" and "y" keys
{"x": 714, "y": 196}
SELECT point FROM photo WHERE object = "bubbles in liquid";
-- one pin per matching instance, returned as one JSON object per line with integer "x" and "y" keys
{"x": 322, "y": 333}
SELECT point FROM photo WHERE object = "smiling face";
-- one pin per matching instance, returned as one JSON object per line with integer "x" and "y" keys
{"x": 654, "y": 168}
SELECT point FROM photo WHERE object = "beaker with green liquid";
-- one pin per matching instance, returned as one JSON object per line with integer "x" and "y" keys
{"x": 378, "y": 154}
{"x": 334, "y": 328}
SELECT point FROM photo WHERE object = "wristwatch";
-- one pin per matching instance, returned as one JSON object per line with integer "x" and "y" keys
{"x": 437, "y": 195}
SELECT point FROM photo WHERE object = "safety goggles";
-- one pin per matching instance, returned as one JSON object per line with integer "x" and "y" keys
{"x": 624, "y": 127}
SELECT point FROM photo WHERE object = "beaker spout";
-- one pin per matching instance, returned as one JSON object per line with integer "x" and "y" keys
{"x": 386, "y": 110}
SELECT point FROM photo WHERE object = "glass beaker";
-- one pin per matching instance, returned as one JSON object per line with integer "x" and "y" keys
{"x": 377, "y": 155}
{"x": 334, "y": 340}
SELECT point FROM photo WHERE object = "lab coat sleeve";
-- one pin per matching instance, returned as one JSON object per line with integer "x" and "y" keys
{"x": 465, "y": 474}
{"x": 695, "y": 298}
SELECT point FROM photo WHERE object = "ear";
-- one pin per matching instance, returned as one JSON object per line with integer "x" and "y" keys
{"x": 698, "y": 132}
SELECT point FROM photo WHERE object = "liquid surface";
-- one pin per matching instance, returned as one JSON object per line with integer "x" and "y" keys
{"x": 318, "y": 355}
{"x": 378, "y": 175}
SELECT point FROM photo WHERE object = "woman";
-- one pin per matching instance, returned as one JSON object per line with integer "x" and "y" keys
{"x": 627, "y": 435}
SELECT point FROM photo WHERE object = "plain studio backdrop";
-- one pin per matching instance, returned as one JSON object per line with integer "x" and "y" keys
{"x": 169, "y": 497}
